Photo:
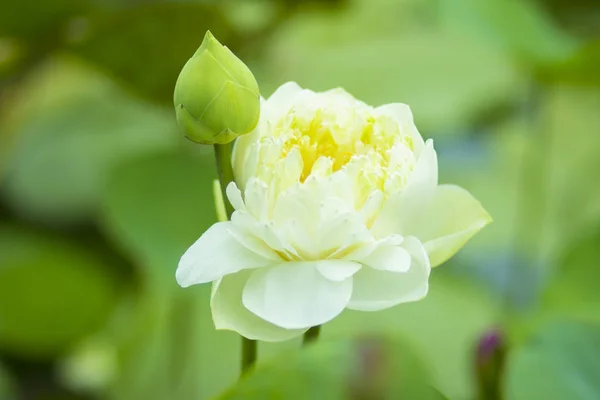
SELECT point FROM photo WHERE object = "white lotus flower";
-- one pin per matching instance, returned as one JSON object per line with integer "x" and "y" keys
{"x": 337, "y": 206}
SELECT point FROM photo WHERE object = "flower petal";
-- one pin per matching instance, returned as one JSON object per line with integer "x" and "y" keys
{"x": 244, "y": 157}
{"x": 215, "y": 254}
{"x": 235, "y": 197}
{"x": 262, "y": 230}
{"x": 425, "y": 173}
{"x": 378, "y": 289}
{"x": 342, "y": 232}
{"x": 255, "y": 244}
{"x": 403, "y": 116}
{"x": 388, "y": 258}
{"x": 282, "y": 100}
{"x": 317, "y": 217}
{"x": 255, "y": 198}
{"x": 403, "y": 208}
{"x": 337, "y": 270}
{"x": 284, "y": 92}
{"x": 453, "y": 217}
{"x": 295, "y": 295}
{"x": 229, "y": 313}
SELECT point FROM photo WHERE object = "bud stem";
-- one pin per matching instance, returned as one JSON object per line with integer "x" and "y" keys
{"x": 311, "y": 335}
{"x": 225, "y": 171}
{"x": 223, "y": 156}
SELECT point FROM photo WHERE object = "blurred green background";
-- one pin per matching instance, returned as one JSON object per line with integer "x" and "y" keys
{"x": 100, "y": 195}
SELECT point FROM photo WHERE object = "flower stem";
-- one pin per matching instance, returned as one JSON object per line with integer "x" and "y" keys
{"x": 223, "y": 156}
{"x": 311, "y": 335}
{"x": 225, "y": 171}
{"x": 248, "y": 354}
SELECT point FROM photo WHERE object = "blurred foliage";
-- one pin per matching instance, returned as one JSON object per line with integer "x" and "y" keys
{"x": 33, "y": 20}
{"x": 362, "y": 51}
{"x": 137, "y": 30}
{"x": 580, "y": 17}
{"x": 45, "y": 324}
{"x": 88, "y": 123}
{"x": 7, "y": 386}
{"x": 156, "y": 206}
{"x": 572, "y": 292}
{"x": 560, "y": 362}
{"x": 579, "y": 69}
{"x": 364, "y": 368}
{"x": 99, "y": 196}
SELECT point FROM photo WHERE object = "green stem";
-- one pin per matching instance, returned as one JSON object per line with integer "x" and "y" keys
{"x": 311, "y": 335}
{"x": 248, "y": 354}
{"x": 223, "y": 156}
{"x": 225, "y": 171}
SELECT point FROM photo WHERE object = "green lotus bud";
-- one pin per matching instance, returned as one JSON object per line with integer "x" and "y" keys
{"x": 216, "y": 96}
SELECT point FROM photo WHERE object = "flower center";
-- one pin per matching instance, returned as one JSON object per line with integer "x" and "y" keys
{"x": 321, "y": 139}
{"x": 374, "y": 144}
{"x": 315, "y": 139}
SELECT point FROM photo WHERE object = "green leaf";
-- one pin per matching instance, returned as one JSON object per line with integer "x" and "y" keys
{"x": 560, "y": 362}
{"x": 362, "y": 368}
{"x": 70, "y": 127}
{"x": 53, "y": 293}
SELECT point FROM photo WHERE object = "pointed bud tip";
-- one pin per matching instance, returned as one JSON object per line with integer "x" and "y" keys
{"x": 208, "y": 42}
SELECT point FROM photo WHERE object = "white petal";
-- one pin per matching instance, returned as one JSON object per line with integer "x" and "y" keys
{"x": 403, "y": 116}
{"x": 388, "y": 258}
{"x": 254, "y": 243}
{"x": 346, "y": 230}
{"x": 341, "y": 94}
{"x": 255, "y": 197}
{"x": 295, "y": 295}
{"x": 282, "y": 100}
{"x": 337, "y": 270}
{"x": 372, "y": 206}
{"x": 235, "y": 196}
{"x": 318, "y": 217}
{"x": 361, "y": 251}
{"x": 294, "y": 220}
{"x": 262, "y": 230}
{"x": 244, "y": 157}
{"x": 285, "y": 91}
{"x": 229, "y": 312}
{"x": 376, "y": 289}
{"x": 425, "y": 174}
{"x": 453, "y": 217}
{"x": 291, "y": 169}
{"x": 403, "y": 210}
{"x": 214, "y": 255}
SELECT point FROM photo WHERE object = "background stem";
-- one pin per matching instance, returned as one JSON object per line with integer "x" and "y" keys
{"x": 225, "y": 171}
